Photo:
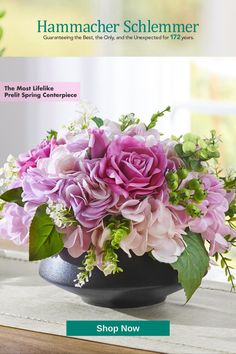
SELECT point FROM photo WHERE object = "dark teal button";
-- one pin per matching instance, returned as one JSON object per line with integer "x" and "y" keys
{"x": 118, "y": 328}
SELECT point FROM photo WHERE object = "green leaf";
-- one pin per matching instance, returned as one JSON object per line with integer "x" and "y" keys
{"x": 179, "y": 150}
{"x": 196, "y": 165}
{"x": 44, "y": 240}
{"x": 52, "y": 134}
{"x": 98, "y": 121}
{"x": 13, "y": 196}
{"x": 1, "y": 32}
{"x": 192, "y": 264}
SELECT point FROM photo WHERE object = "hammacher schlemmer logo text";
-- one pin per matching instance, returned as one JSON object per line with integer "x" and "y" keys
{"x": 128, "y": 26}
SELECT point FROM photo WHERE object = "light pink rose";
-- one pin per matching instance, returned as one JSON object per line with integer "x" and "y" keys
{"x": 60, "y": 163}
{"x": 76, "y": 240}
{"x": 155, "y": 228}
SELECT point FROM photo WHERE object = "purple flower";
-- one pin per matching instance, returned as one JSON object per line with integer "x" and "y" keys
{"x": 131, "y": 168}
{"x": 15, "y": 224}
{"x": 31, "y": 158}
{"x": 211, "y": 225}
{"x": 91, "y": 199}
{"x": 38, "y": 187}
{"x": 98, "y": 143}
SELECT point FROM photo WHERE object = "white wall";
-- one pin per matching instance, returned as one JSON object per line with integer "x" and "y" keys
{"x": 115, "y": 85}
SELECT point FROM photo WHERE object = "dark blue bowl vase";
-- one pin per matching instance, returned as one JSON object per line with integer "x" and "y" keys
{"x": 143, "y": 282}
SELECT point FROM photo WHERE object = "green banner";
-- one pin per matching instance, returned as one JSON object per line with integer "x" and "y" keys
{"x": 118, "y": 328}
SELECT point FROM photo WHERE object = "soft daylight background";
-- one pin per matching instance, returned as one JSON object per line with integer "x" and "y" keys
{"x": 201, "y": 92}
{"x": 216, "y": 33}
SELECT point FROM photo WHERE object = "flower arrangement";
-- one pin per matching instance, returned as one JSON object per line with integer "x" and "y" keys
{"x": 98, "y": 186}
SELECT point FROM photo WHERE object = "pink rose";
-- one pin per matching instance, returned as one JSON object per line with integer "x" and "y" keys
{"x": 131, "y": 168}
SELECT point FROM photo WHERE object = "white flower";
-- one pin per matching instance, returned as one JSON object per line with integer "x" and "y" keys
{"x": 111, "y": 128}
{"x": 77, "y": 129}
{"x": 85, "y": 113}
{"x": 60, "y": 214}
{"x": 9, "y": 172}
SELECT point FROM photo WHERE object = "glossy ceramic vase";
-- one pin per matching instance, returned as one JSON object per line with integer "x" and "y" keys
{"x": 143, "y": 282}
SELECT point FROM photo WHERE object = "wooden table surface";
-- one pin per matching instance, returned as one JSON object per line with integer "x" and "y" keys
{"x": 19, "y": 341}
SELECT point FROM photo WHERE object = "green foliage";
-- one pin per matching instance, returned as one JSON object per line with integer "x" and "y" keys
{"x": 156, "y": 116}
{"x": 192, "y": 264}
{"x": 231, "y": 214}
{"x": 193, "y": 210}
{"x": 193, "y": 150}
{"x": 230, "y": 181}
{"x": 231, "y": 240}
{"x": 188, "y": 147}
{"x": 98, "y": 121}
{"x": 89, "y": 263}
{"x": 119, "y": 228}
{"x": 182, "y": 173}
{"x": 13, "y": 196}
{"x": 110, "y": 260}
{"x": 190, "y": 137}
{"x": 186, "y": 194}
{"x": 52, "y": 134}
{"x": 44, "y": 240}
{"x": 224, "y": 265}
{"x": 230, "y": 186}
{"x": 127, "y": 120}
